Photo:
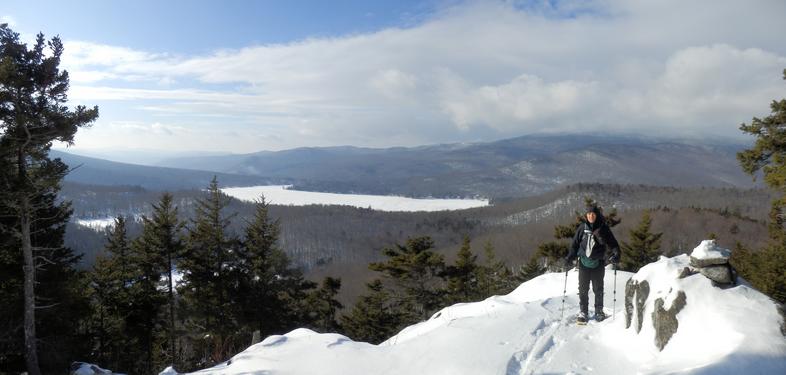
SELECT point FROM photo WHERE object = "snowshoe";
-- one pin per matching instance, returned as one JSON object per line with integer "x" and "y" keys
{"x": 600, "y": 316}
{"x": 581, "y": 319}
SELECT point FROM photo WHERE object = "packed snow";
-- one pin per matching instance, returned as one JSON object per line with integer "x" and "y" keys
{"x": 709, "y": 250}
{"x": 282, "y": 195}
{"x": 721, "y": 331}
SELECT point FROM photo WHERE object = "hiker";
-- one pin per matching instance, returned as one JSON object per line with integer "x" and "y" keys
{"x": 593, "y": 237}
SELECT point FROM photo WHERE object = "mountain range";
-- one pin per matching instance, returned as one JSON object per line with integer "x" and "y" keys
{"x": 515, "y": 167}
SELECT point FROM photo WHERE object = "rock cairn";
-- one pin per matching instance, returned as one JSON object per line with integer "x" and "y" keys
{"x": 712, "y": 261}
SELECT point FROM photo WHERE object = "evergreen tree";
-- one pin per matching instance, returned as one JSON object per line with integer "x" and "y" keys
{"x": 110, "y": 283}
{"x": 530, "y": 270}
{"x": 553, "y": 252}
{"x": 644, "y": 246}
{"x": 768, "y": 156}
{"x": 162, "y": 242}
{"x": 377, "y": 315}
{"x": 276, "y": 294}
{"x": 416, "y": 270}
{"x": 495, "y": 277}
{"x": 145, "y": 320}
{"x": 33, "y": 114}
{"x": 323, "y": 306}
{"x": 62, "y": 303}
{"x": 210, "y": 270}
{"x": 266, "y": 265}
{"x": 463, "y": 277}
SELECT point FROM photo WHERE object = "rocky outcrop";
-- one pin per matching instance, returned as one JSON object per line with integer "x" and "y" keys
{"x": 665, "y": 321}
{"x": 636, "y": 294}
{"x": 630, "y": 293}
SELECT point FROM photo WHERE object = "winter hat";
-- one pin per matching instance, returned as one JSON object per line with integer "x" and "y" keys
{"x": 592, "y": 208}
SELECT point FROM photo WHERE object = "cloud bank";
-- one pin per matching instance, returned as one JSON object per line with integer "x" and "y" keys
{"x": 474, "y": 71}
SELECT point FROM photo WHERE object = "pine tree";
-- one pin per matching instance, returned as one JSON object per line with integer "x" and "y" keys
{"x": 62, "y": 303}
{"x": 111, "y": 279}
{"x": 145, "y": 316}
{"x": 416, "y": 270}
{"x": 161, "y": 240}
{"x": 323, "y": 306}
{"x": 644, "y": 246}
{"x": 265, "y": 266}
{"x": 210, "y": 270}
{"x": 463, "y": 276}
{"x": 553, "y": 253}
{"x": 274, "y": 291}
{"x": 33, "y": 93}
{"x": 768, "y": 155}
{"x": 377, "y": 315}
{"x": 530, "y": 270}
{"x": 495, "y": 277}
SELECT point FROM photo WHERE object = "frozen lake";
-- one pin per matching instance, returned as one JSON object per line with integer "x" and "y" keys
{"x": 280, "y": 195}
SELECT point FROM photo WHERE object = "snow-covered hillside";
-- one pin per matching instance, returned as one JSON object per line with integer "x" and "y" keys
{"x": 721, "y": 331}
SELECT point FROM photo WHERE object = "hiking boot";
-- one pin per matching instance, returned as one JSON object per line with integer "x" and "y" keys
{"x": 581, "y": 318}
{"x": 600, "y": 316}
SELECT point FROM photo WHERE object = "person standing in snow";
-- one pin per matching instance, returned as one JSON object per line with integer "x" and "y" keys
{"x": 593, "y": 237}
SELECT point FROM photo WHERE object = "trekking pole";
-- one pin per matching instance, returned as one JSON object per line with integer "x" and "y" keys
{"x": 614, "y": 304}
{"x": 564, "y": 290}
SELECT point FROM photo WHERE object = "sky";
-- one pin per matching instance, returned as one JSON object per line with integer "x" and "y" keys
{"x": 246, "y": 76}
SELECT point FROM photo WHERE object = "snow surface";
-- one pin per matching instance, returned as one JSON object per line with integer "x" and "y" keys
{"x": 281, "y": 195}
{"x": 96, "y": 224}
{"x": 721, "y": 331}
{"x": 709, "y": 250}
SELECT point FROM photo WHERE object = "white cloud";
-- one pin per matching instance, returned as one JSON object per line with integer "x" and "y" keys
{"x": 525, "y": 99}
{"x": 475, "y": 70}
{"x": 393, "y": 83}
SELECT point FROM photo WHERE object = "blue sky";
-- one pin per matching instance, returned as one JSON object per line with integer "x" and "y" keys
{"x": 244, "y": 76}
{"x": 200, "y": 26}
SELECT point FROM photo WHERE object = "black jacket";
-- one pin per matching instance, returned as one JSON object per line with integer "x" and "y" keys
{"x": 602, "y": 239}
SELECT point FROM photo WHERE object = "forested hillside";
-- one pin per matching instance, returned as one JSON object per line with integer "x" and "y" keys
{"x": 341, "y": 241}
{"x": 514, "y": 167}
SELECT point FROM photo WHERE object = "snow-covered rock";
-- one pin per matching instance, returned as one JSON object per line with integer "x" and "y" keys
{"x": 718, "y": 331}
{"x": 713, "y": 262}
{"x": 83, "y": 368}
{"x": 709, "y": 253}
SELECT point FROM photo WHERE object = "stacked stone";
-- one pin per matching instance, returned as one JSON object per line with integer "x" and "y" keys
{"x": 713, "y": 262}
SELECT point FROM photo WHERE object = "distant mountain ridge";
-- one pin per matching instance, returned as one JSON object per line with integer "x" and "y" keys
{"x": 508, "y": 168}
{"x": 87, "y": 170}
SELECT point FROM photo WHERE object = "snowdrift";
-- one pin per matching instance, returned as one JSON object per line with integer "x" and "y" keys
{"x": 730, "y": 330}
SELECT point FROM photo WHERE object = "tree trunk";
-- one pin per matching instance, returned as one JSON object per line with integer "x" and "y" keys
{"x": 31, "y": 353}
{"x": 171, "y": 310}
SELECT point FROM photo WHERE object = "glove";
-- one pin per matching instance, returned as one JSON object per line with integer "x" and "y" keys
{"x": 568, "y": 263}
{"x": 614, "y": 258}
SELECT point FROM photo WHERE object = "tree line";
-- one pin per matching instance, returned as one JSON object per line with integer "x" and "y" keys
{"x": 192, "y": 294}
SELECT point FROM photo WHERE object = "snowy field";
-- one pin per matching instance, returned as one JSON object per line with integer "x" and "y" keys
{"x": 721, "y": 331}
{"x": 280, "y": 195}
